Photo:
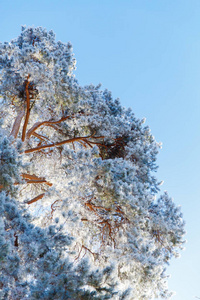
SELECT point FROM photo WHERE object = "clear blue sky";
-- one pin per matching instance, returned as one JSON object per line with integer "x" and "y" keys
{"x": 147, "y": 52}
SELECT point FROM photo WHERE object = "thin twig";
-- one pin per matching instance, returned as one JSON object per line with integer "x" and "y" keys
{"x": 41, "y": 137}
{"x": 39, "y": 124}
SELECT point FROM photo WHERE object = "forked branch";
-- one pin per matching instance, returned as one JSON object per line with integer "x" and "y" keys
{"x": 35, "y": 179}
{"x": 39, "y": 124}
{"x": 86, "y": 250}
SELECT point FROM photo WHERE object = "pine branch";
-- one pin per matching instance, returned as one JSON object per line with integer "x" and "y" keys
{"x": 39, "y": 124}
{"x": 36, "y": 199}
{"x": 35, "y": 179}
{"x": 17, "y": 124}
{"x": 27, "y": 109}
{"x": 77, "y": 139}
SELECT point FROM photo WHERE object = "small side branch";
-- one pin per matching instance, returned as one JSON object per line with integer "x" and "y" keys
{"x": 36, "y": 199}
{"x": 31, "y": 179}
{"x": 109, "y": 225}
{"x": 39, "y": 124}
{"x": 77, "y": 139}
{"x": 41, "y": 137}
{"x": 86, "y": 250}
{"x": 17, "y": 124}
{"x": 39, "y": 181}
{"x": 27, "y": 109}
{"x": 35, "y": 179}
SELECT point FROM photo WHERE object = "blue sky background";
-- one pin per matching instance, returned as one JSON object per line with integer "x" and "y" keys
{"x": 148, "y": 54}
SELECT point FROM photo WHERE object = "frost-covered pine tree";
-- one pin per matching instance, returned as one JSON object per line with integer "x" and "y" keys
{"x": 78, "y": 195}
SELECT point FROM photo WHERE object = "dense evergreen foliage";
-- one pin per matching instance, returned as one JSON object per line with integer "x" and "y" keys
{"x": 80, "y": 215}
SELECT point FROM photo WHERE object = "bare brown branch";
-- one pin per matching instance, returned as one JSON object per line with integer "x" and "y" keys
{"x": 76, "y": 139}
{"x": 36, "y": 199}
{"x": 17, "y": 123}
{"x": 41, "y": 137}
{"x": 27, "y": 109}
{"x": 35, "y": 179}
{"x": 39, "y": 124}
